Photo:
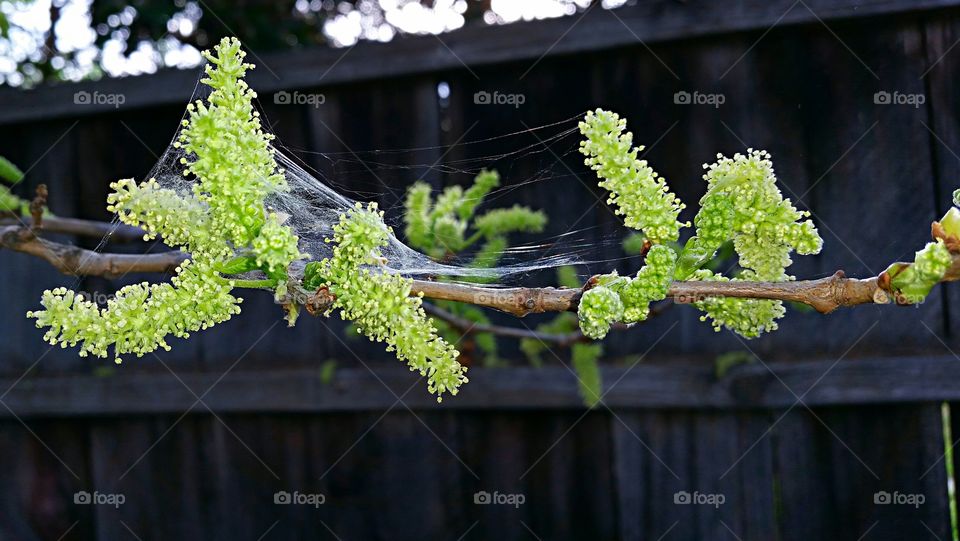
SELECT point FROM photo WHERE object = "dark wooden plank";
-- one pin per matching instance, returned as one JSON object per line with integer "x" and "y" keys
{"x": 155, "y": 464}
{"x": 600, "y": 29}
{"x": 876, "y": 381}
{"x": 943, "y": 121}
{"x": 839, "y": 466}
{"x": 571, "y": 490}
{"x": 657, "y": 448}
{"x": 51, "y": 468}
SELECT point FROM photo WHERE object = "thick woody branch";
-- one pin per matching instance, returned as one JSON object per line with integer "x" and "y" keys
{"x": 77, "y": 261}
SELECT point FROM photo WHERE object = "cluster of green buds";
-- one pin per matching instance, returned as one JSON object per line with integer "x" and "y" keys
{"x": 221, "y": 220}
{"x": 742, "y": 206}
{"x": 379, "y": 303}
{"x": 910, "y": 283}
{"x": 639, "y": 194}
{"x": 616, "y": 298}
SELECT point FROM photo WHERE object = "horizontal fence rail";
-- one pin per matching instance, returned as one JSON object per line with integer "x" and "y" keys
{"x": 755, "y": 385}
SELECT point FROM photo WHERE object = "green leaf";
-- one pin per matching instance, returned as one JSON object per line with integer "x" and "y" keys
{"x": 312, "y": 279}
{"x": 10, "y": 172}
{"x": 327, "y": 371}
{"x": 532, "y": 348}
{"x": 10, "y": 202}
{"x": 238, "y": 265}
{"x": 633, "y": 243}
{"x": 585, "y": 364}
{"x": 724, "y": 362}
{"x": 567, "y": 277}
{"x": 951, "y": 222}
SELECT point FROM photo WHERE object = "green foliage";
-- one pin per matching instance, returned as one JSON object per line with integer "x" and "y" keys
{"x": 9, "y": 172}
{"x": 585, "y": 362}
{"x": 448, "y": 226}
{"x": 9, "y": 203}
{"x": 223, "y": 215}
{"x": 640, "y": 195}
{"x": 440, "y": 228}
{"x": 912, "y": 282}
{"x": 563, "y": 323}
{"x": 634, "y": 243}
{"x": 327, "y": 371}
{"x": 726, "y": 361}
{"x": 379, "y": 303}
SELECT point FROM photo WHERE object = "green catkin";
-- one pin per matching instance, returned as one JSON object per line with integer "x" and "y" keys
{"x": 742, "y": 205}
{"x": 640, "y": 195}
{"x": 379, "y": 303}
{"x": 224, "y": 212}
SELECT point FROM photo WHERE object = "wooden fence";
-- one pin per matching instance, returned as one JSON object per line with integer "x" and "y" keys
{"x": 837, "y": 431}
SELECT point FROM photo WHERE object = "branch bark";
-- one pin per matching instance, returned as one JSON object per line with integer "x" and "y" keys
{"x": 83, "y": 228}
{"x": 824, "y": 294}
{"x": 76, "y": 261}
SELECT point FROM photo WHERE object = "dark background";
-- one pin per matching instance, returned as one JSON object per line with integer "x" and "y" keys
{"x": 834, "y": 409}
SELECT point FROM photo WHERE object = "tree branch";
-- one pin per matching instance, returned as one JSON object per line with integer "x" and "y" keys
{"x": 76, "y": 261}
{"x": 466, "y": 326}
{"x": 83, "y": 228}
{"x": 824, "y": 294}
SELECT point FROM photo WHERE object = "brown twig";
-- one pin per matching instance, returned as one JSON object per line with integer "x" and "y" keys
{"x": 77, "y": 261}
{"x": 83, "y": 228}
{"x": 466, "y": 326}
{"x": 37, "y": 205}
{"x": 824, "y": 294}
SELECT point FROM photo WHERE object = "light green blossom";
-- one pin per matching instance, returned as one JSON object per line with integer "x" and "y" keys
{"x": 913, "y": 281}
{"x": 599, "y": 308}
{"x": 640, "y": 195}
{"x": 744, "y": 204}
{"x": 379, "y": 302}
{"x": 234, "y": 166}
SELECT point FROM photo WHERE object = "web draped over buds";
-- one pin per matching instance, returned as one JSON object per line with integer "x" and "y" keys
{"x": 379, "y": 303}
{"x": 222, "y": 215}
